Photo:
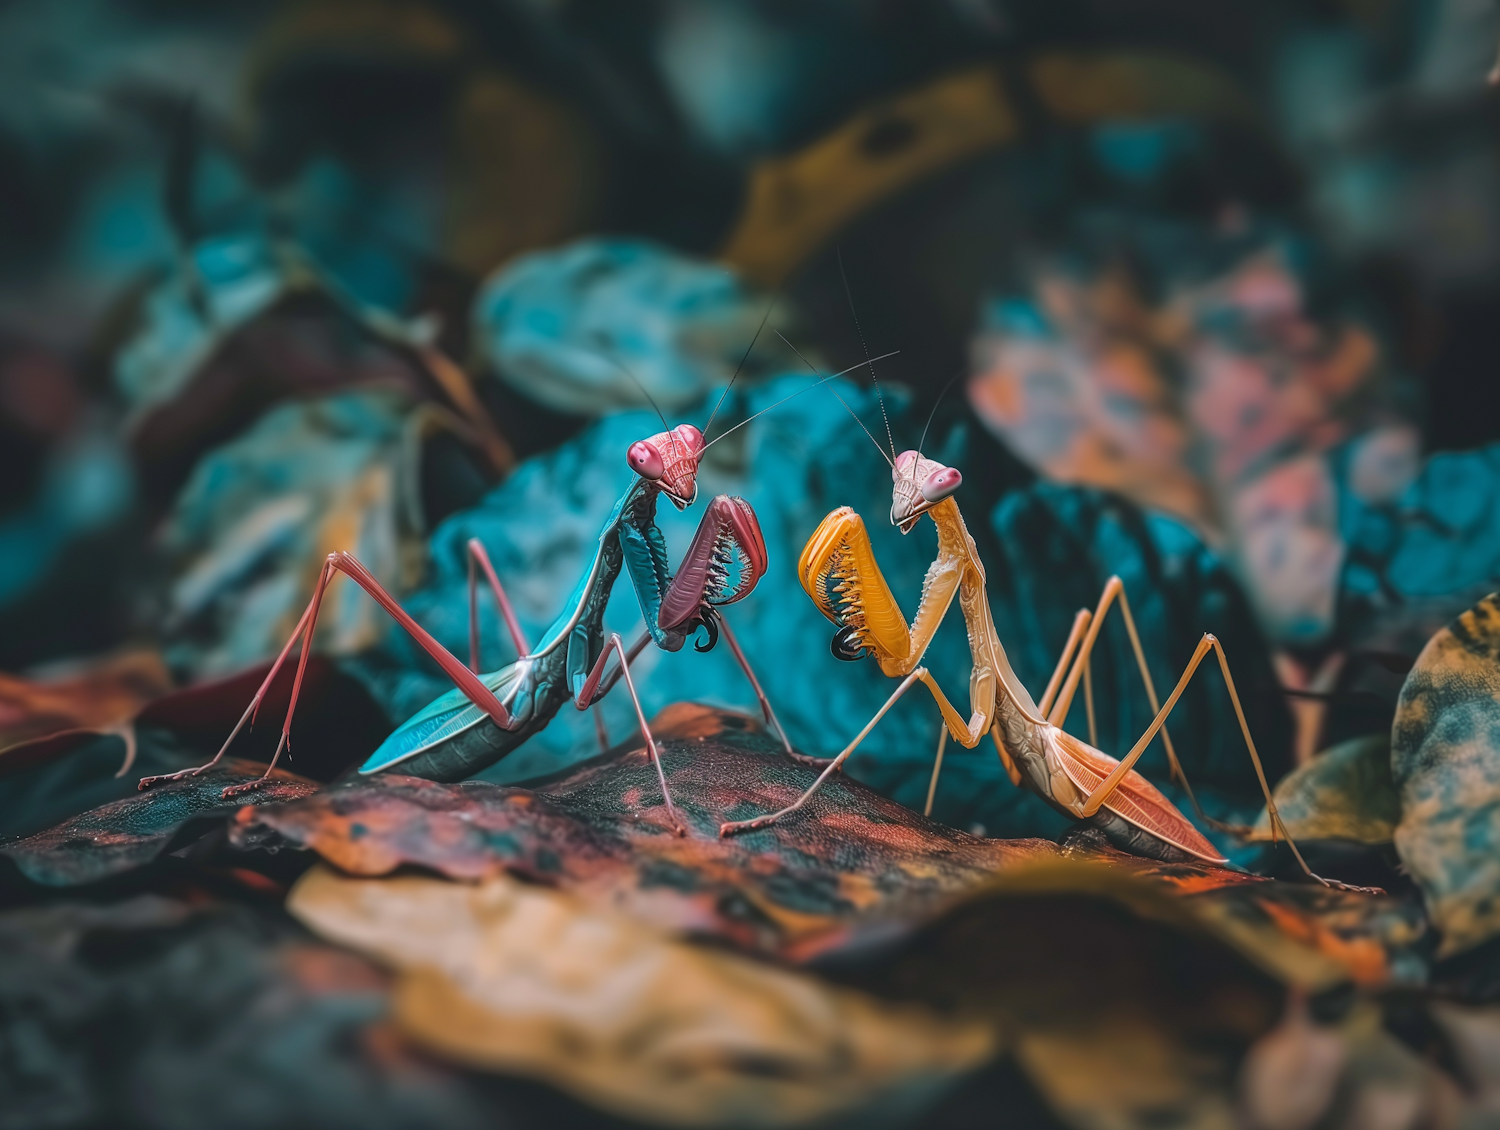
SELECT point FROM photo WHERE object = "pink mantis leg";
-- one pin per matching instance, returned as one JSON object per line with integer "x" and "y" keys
{"x": 765, "y": 703}
{"x": 477, "y": 556}
{"x": 345, "y": 563}
{"x": 599, "y": 685}
{"x": 591, "y": 693}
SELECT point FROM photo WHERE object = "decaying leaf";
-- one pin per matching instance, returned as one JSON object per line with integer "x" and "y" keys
{"x": 526, "y": 980}
{"x": 130, "y": 832}
{"x": 853, "y": 871}
{"x": 104, "y": 696}
{"x": 1345, "y": 793}
{"x": 601, "y": 830}
{"x": 1445, "y": 759}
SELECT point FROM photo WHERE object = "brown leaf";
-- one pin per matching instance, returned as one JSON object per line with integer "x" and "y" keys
{"x": 850, "y": 871}
{"x": 205, "y": 713}
{"x": 517, "y": 978}
{"x": 131, "y": 832}
{"x": 100, "y": 697}
{"x": 601, "y": 830}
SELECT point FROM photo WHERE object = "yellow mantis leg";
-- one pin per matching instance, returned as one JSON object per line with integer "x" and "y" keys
{"x": 937, "y": 767}
{"x": 1080, "y": 625}
{"x": 731, "y": 827}
{"x": 1115, "y": 588}
{"x": 1208, "y": 643}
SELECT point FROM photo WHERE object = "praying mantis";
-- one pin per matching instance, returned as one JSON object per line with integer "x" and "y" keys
{"x": 486, "y": 716}
{"x": 838, "y": 570}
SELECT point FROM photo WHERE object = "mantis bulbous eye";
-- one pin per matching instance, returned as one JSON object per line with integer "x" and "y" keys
{"x": 644, "y": 460}
{"x": 941, "y": 483}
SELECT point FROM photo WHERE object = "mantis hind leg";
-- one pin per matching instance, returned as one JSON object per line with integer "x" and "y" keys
{"x": 347, "y": 564}
{"x": 1208, "y": 643}
{"x": 1056, "y": 713}
{"x": 479, "y": 558}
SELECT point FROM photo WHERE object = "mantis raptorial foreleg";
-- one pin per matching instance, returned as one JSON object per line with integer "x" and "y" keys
{"x": 733, "y": 826}
{"x": 479, "y": 694}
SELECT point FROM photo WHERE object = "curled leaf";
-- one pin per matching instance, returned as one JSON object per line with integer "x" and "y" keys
{"x": 1445, "y": 759}
{"x": 517, "y": 978}
{"x": 1345, "y": 793}
{"x": 102, "y": 697}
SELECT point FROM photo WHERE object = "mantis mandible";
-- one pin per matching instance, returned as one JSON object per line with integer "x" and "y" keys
{"x": 838, "y": 570}
{"x": 486, "y": 716}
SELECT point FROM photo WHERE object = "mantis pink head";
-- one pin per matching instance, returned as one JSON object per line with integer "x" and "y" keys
{"x": 670, "y": 460}
{"x": 919, "y": 484}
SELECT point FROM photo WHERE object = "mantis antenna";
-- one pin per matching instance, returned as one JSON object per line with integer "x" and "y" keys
{"x": 617, "y": 363}
{"x": 840, "y": 399}
{"x": 870, "y": 361}
{"x": 816, "y": 384}
{"x": 764, "y": 319}
{"x": 935, "y": 404}
{"x": 671, "y": 435}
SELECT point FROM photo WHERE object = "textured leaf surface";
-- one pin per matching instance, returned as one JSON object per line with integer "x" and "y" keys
{"x": 1445, "y": 759}
{"x": 134, "y": 830}
{"x": 850, "y": 872}
{"x": 602, "y": 829}
{"x": 523, "y": 979}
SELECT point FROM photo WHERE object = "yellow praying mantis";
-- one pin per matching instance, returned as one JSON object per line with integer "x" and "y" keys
{"x": 838, "y": 570}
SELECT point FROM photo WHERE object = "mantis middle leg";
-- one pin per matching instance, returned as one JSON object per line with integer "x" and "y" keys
{"x": 592, "y": 691}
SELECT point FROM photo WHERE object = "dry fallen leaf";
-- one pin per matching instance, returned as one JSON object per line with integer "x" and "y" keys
{"x": 1445, "y": 759}
{"x": 101, "y": 697}
{"x": 852, "y": 871}
{"x": 516, "y": 978}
